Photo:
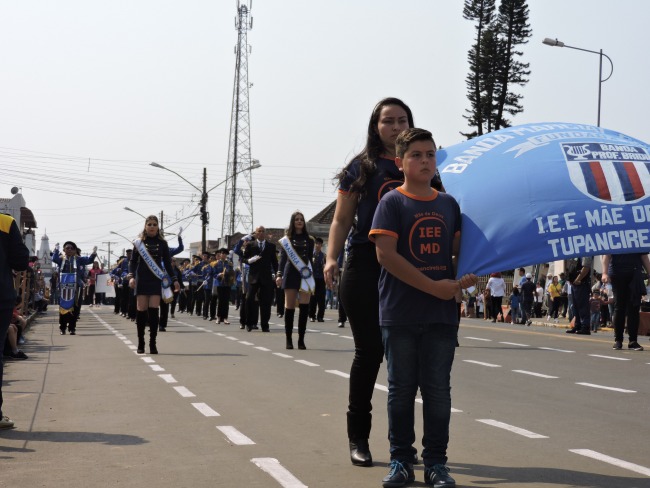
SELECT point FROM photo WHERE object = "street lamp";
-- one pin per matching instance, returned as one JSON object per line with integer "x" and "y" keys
{"x": 205, "y": 216}
{"x": 131, "y": 210}
{"x": 556, "y": 43}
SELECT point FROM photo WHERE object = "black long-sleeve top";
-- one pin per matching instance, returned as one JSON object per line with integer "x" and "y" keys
{"x": 159, "y": 251}
{"x": 304, "y": 247}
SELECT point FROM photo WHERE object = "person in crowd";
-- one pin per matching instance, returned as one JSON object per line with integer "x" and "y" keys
{"x": 150, "y": 257}
{"x": 14, "y": 256}
{"x": 625, "y": 272}
{"x": 497, "y": 287}
{"x": 166, "y": 308}
{"x": 178, "y": 297}
{"x": 238, "y": 288}
{"x": 10, "y": 349}
{"x": 554, "y": 290}
{"x": 369, "y": 175}
{"x": 579, "y": 272}
{"x": 515, "y": 300}
{"x": 527, "y": 299}
{"x": 71, "y": 270}
{"x": 539, "y": 299}
{"x": 224, "y": 276}
{"x": 295, "y": 276}
{"x": 522, "y": 276}
{"x": 127, "y": 293}
{"x": 480, "y": 305}
{"x": 54, "y": 287}
{"x": 260, "y": 256}
{"x": 564, "y": 295}
{"x": 94, "y": 297}
{"x": 487, "y": 301}
{"x": 418, "y": 312}
{"x": 192, "y": 277}
{"x": 595, "y": 303}
{"x": 317, "y": 300}
{"x": 116, "y": 278}
{"x": 199, "y": 270}
{"x": 210, "y": 293}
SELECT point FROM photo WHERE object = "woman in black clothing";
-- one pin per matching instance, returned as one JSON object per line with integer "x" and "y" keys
{"x": 362, "y": 183}
{"x": 146, "y": 284}
{"x": 292, "y": 281}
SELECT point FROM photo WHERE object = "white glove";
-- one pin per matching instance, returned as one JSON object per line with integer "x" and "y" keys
{"x": 254, "y": 259}
{"x": 205, "y": 283}
{"x": 180, "y": 231}
{"x": 248, "y": 238}
{"x": 56, "y": 246}
{"x": 94, "y": 249}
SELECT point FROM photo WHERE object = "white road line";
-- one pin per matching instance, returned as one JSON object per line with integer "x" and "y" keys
{"x": 133, "y": 348}
{"x": 231, "y": 338}
{"x": 514, "y": 344}
{"x": 127, "y": 342}
{"x": 453, "y": 410}
{"x": 329, "y": 333}
{"x": 219, "y": 334}
{"x": 512, "y": 428}
{"x": 381, "y": 387}
{"x": 282, "y": 355}
{"x": 350, "y": 337}
{"x": 235, "y": 436}
{"x": 184, "y": 392}
{"x": 265, "y": 349}
{"x": 620, "y": 390}
{"x": 246, "y": 343}
{"x": 120, "y": 336}
{"x": 205, "y": 409}
{"x": 611, "y": 460}
{"x": 489, "y": 365}
{"x": 553, "y": 349}
{"x": 147, "y": 359}
{"x": 539, "y": 375}
{"x": 156, "y": 367}
{"x": 168, "y": 378}
{"x": 609, "y": 357}
{"x": 337, "y": 373}
{"x": 478, "y": 339}
{"x": 278, "y": 472}
{"x": 306, "y": 363}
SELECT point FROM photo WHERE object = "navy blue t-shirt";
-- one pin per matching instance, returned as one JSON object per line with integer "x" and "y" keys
{"x": 425, "y": 229}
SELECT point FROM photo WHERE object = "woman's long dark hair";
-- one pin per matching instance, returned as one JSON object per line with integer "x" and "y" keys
{"x": 143, "y": 235}
{"x": 291, "y": 230}
{"x": 374, "y": 147}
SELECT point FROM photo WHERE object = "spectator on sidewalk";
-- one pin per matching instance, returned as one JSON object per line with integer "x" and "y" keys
{"x": 14, "y": 255}
{"x": 579, "y": 275}
{"x": 595, "y": 303}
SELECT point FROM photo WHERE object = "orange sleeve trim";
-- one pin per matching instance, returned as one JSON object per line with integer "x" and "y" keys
{"x": 382, "y": 232}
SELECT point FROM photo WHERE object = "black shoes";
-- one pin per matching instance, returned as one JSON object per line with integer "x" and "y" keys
{"x": 635, "y": 346}
{"x": 341, "y": 325}
{"x": 572, "y": 330}
{"x": 618, "y": 345}
{"x": 583, "y": 332}
{"x": 72, "y": 332}
{"x": 438, "y": 476}
{"x": 153, "y": 349}
{"x": 400, "y": 474}
{"x": 289, "y": 344}
{"x": 162, "y": 329}
{"x": 360, "y": 453}
{"x": 62, "y": 331}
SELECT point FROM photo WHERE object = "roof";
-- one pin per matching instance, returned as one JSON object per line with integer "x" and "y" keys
{"x": 27, "y": 218}
{"x": 325, "y": 216}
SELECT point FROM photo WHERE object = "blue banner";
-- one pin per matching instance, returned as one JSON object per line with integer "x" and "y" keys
{"x": 68, "y": 292}
{"x": 545, "y": 192}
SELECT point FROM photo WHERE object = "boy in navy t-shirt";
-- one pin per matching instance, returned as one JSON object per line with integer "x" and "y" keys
{"x": 416, "y": 230}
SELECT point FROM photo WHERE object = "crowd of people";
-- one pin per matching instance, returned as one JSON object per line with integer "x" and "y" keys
{"x": 392, "y": 250}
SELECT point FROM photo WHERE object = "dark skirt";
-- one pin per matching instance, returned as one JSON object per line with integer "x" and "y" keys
{"x": 147, "y": 285}
{"x": 291, "y": 278}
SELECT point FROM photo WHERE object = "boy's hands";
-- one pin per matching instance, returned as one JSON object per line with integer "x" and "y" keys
{"x": 468, "y": 280}
{"x": 448, "y": 289}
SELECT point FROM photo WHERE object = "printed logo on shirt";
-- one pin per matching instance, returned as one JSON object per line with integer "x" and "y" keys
{"x": 387, "y": 186}
{"x": 427, "y": 235}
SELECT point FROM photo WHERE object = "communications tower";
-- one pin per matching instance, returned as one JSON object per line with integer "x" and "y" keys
{"x": 238, "y": 196}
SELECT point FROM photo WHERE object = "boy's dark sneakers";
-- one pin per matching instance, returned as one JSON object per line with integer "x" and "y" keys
{"x": 438, "y": 476}
{"x": 18, "y": 355}
{"x": 635, "y": 346}
{"x": 618, "y": 345}
{"x": 400, "y": 474}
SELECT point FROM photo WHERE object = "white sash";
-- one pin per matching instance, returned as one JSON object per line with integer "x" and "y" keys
{"x": 307, "y": 283}
{"x": 166, "y": 292}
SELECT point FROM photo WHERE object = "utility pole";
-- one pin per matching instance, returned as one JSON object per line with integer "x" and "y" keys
{"x": 108, "y": 244}
{"x": 205, "y": 216}
{"x": 239, "y": 148}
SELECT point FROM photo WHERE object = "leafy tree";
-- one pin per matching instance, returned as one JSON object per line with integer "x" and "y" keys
{"x": 493, "y": 67}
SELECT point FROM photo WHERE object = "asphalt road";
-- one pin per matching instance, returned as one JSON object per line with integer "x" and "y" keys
{"x": 219, "y": 406}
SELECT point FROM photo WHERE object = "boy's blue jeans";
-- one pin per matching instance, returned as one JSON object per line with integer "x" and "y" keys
{"x": 419, "y": 356}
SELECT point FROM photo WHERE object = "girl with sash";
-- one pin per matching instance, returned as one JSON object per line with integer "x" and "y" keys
{"x": 147, "y": 275}
{"x": 70, "y": 272}
{"x": 296, "y": 277}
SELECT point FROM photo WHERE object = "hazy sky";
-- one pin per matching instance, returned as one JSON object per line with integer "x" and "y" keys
{"x": 91, "y": 92}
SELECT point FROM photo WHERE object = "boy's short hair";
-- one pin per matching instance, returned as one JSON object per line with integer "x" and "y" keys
{"x": 319, "y": 240}
{"x": 408, "y": 136}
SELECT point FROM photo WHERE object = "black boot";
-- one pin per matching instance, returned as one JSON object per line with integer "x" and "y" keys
{"x": 289, "y": 314}
{"x": 141, "y": 319}
{"x": 360, "y": 453}
{"x": 153, "y": 330}
{"x": 303, "y": 315}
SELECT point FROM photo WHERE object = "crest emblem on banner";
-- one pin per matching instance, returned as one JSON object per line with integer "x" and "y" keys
{"x": 611, "y": 173}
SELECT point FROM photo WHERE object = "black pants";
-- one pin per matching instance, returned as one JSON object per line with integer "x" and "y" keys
{"x": 209, "y": 304}
{"x": 181, "y": 299}
{"x": 124, "y": 298}
{"x": 223, "y": 295}
{"x": 279, "y": 300}
{"x": 260, "y": 295}
{"x": 626, "y": 305}
{"x": 199, "y": 297}
{"x": 317, "y": 300}
{"x": 118, "y": 298}
{"x": 164, "y": 314}
{"x": 5, "y": 320}
{"x": 360, "y": 297}
{"x": 580, "y": 295}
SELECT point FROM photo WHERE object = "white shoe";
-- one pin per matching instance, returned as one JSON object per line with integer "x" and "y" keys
{"x": 6, "y": 423}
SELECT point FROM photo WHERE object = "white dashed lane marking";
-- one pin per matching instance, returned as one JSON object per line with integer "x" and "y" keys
{"x": 338, "y": 373}
{"x": 260, "y": 348}
{"x": 478, "y": 339}
{"x": 282, "y": 355}
{"x": 167, "y": 378}
{"x": 156, "y": 367}
{"x": 480, "y": 363}
{"x": 147, "y": 359}
{"x": 610, "y": 388}
{"x": 612, "y": 460}
{"x": 512, "y": 428}
{"x": 539, "y": 375}
{"x": 184, "y": 392}
{"x": 553, "y": 349}
{"x": 234, "y": 435}
{"x": 306, "y": 363}
{"x": 206, "y": 410}
{"x": 514, "y": 344}
{"x": 609, "y": 357}
{"x": 273, "y": 467}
